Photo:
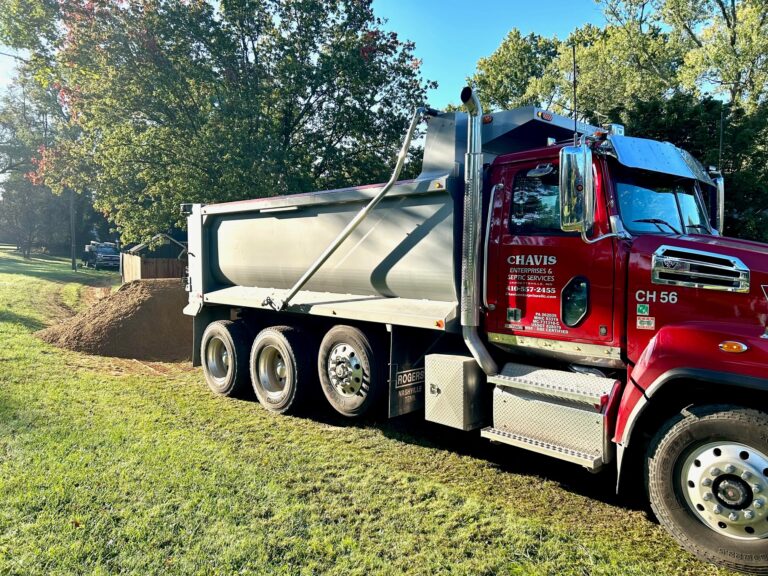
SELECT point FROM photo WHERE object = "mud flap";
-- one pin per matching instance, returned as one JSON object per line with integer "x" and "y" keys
{"x": 409, "y": 346}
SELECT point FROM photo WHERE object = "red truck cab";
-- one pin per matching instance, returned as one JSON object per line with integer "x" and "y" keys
{"x": 650, "y": 293}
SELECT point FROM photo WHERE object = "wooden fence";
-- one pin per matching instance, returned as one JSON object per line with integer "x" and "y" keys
{"x": 135, "y": 267}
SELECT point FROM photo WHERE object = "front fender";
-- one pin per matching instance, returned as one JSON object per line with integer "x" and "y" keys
{"x": 691, "y": 351}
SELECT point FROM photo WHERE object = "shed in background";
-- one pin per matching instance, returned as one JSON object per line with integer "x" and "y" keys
{"x": 162, "y": 257}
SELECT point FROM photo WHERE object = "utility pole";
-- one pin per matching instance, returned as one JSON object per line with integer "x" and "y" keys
{"x": 72, "y": 229}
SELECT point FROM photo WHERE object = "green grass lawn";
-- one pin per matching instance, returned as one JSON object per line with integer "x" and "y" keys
{"x": 114, "y": 466}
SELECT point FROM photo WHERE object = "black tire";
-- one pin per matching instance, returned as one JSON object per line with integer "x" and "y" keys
{"x": 694, "y": 492}
{"x": 362, "y": 361}
{"x": 281, "y": 369}
{"x": 224, "y": 353}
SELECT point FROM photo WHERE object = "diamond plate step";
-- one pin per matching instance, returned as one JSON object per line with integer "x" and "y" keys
{"x": 583, "y": 388}
{"x": 591, "y": 461}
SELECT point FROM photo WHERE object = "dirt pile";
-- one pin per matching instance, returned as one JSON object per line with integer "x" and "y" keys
{"x": 142, "y": 320}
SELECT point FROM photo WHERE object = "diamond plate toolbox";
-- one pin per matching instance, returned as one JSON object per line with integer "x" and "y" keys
{"x": 456, "y": 393}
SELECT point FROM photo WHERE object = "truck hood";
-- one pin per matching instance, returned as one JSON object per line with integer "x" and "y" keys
{"x": 722, "y": 244}
{"x": 702, "y": 279}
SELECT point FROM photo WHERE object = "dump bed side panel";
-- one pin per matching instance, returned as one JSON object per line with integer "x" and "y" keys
{"x": 406, "y": 248}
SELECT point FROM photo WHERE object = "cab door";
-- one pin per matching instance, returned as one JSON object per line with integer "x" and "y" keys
{"x": 543, "y": 283}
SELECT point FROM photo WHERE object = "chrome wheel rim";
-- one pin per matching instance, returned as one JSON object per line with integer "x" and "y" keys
{"x": 726, "y": 486}
{"x": 217, "y": 359}
{"x": 272, "y": 371}
{"x": 345, "y": 371}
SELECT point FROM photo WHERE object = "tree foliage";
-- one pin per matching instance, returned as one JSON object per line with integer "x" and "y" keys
{"x": 31, "y": 215}
{"x": 506, "y": 78}
{"x": 151, "y": 103}
{"x": 668, "y": 70}
{"x": 172, "y": 101}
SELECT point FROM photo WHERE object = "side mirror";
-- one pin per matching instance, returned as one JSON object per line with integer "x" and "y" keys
{"x": 717, "y": 202}
{"x": 577, "y": 190}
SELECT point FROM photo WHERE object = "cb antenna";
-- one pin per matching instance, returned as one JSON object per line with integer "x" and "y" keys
{"x": 720, "y": 152}
{"x": 575, "y": 124}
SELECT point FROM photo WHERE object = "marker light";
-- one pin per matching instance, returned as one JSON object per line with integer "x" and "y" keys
{"x": 487, "y": 118}
{"x": 733, "y": 347}
{"x": 544, "y": 115}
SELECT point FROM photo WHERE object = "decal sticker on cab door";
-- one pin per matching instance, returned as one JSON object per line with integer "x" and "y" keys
{"x": 646, "y": 323}
{"x": 532, "y": 275}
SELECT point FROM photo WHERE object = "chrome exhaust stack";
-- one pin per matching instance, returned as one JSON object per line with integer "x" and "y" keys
{"x": 470, "y": 242}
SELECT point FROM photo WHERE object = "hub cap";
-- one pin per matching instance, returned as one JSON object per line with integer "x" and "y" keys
{"x": 272, "y": 370}
{"x": 346, "y": 371}
{"x": 726, "y": 485}
{"x": 217, "y": 359}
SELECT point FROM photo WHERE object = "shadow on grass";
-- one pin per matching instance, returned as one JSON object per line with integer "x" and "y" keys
{"x": 29, "y": 322}
{"x": 50, "y": 268}
{"x": 413, "y": 429}
{"x": 601, "y": 487}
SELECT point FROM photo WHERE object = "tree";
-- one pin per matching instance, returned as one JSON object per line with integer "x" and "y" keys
{"x": 176, "y": 101}
{"x": 504, "y": 79}
{"x": 723, "y": 51}
{"x": 610, "y": 76}
{"x": 30, "y": 213}
{"x": 656, "y": 67}
{"x": 728, "y": 46}
{"x": 723, "y": 43}
{"x": 21, "y": 208}
{"x": 531, "y": 69}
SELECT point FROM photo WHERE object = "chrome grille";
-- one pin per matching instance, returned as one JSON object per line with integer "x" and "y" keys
{"x": 677, "y": 266}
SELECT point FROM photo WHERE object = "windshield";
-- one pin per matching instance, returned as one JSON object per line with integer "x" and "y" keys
{"x": 651, "y": 203}
{"x": 108, "y": 250}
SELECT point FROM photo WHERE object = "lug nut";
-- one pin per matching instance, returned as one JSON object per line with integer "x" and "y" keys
{"x": 715, "y": 471}
{"x": 748, "y": 514}
{"x": 706, "y": 482}
{"x": 733, "y": 516}
{"x": 757, "y": 488}
{"x": 758, "y": 503}
{"x": 716, "y": 509}
{"x": 707, "y": 496}
{"x": 730, "y": 469}
{"x": 746, "y": 475}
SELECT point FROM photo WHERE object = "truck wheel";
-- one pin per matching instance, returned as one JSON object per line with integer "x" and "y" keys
{"x": 350, "y": 366}
{"x": 281, "y": 369}
{"x": 707, "y": 478}
{"x": 224, "y": 350}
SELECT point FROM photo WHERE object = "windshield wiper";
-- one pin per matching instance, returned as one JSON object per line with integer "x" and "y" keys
{"x": 658, "y": 222}
{"x": 699, "y": 226}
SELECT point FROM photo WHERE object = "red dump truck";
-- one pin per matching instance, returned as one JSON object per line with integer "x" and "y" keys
{"x": 559, "y": 287}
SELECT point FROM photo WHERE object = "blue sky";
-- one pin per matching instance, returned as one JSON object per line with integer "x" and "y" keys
{"x": 451, "y": 35}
